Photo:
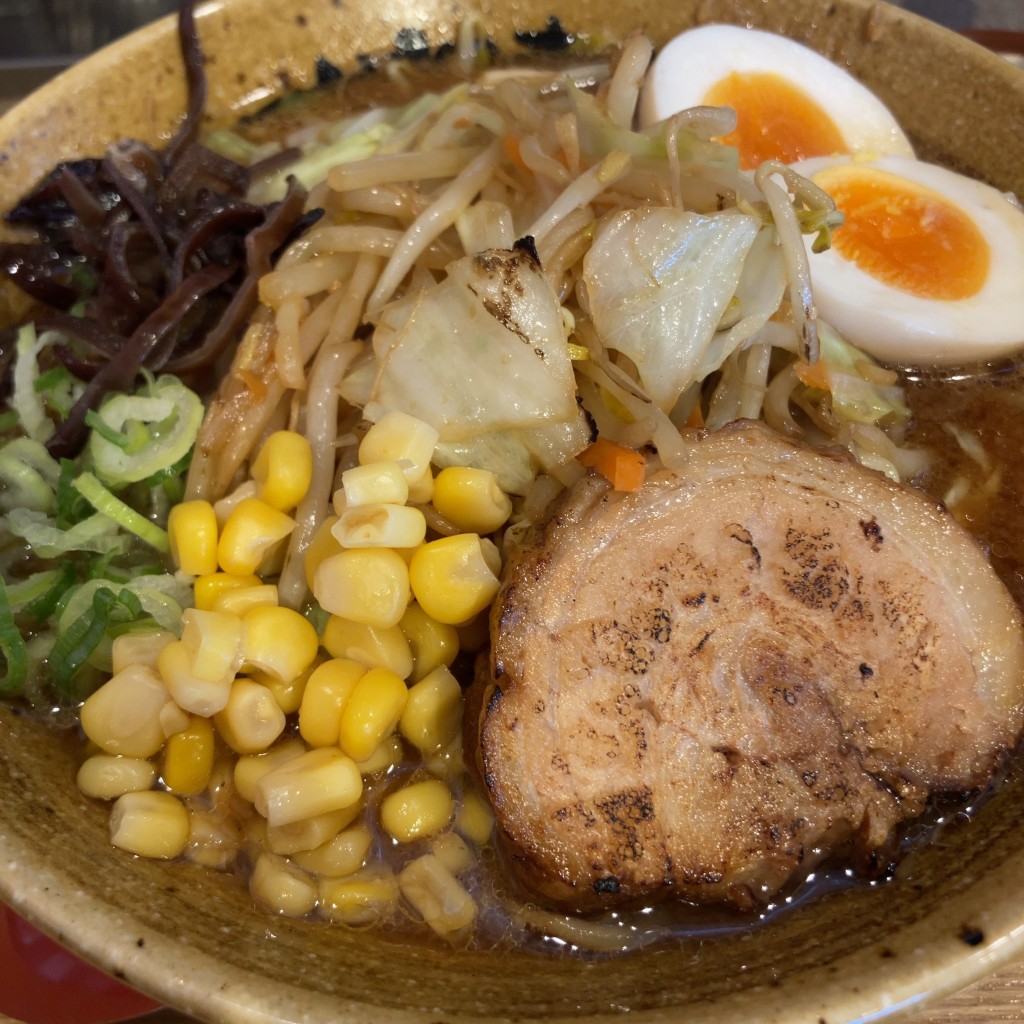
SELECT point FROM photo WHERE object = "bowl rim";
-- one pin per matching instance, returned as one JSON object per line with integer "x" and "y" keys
{"x": 138, "y": 954}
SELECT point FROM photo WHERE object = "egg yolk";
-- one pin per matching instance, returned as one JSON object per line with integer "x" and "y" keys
{"x": 776, "y": 120}
{"x": 905, "y": 235}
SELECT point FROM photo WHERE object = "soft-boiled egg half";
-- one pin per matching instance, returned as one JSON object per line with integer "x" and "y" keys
{"x": 928, "y": 266}
{"x": 791, "y": 103}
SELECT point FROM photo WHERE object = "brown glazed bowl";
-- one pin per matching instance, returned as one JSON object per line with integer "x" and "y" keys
{"x": 192, "y": 938}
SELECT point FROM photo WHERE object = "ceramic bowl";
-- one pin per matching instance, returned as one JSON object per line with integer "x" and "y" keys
{"x": 192, "y": 938}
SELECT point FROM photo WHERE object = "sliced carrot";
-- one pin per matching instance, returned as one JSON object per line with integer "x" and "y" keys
{"x": 813, "y": 375}
{"x": 696, "y": 417}
{"x": 624, "y": 468}
{"x": 510, "y": 145}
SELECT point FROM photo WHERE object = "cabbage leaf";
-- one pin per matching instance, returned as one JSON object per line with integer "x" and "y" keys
{"x": 483, "y": 350}
{"x": 659, "y": 280}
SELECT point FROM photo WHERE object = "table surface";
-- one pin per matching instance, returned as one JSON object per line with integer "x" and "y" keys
{"x": 999, "y": 997}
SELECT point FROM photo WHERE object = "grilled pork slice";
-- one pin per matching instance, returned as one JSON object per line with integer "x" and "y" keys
{"x": 704, "y": 688}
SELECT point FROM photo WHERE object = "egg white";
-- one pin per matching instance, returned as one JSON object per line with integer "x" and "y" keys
{"x": 898, "y": 327}
{"x": 694, "y": 61}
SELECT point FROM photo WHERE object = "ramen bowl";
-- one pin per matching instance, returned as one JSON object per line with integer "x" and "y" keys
{"x": 193, "y": 938}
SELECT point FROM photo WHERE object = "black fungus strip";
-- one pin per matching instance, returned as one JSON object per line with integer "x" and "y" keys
{"x": 261, "y": 244}
{"x": 134, "y": 183}
{"x": 96, "y": 339}
{"x": 195, "y": 78}
{"x": 142, "y": 349}
{"x": 160, "y": 253}
{"x": 85, "y": 207}
{"x": 39, "y": 271}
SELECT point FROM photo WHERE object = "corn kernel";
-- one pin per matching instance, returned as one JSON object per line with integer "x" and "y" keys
{"x": 192, "y": 533}
{"x": 138, "y": 648}
{"x": 451, "y": 579}
{"x": 281, "y": 887}
{"x": 448, "y": 762}
{"x": 252, "y": 530}
{"x": 254, "y": 829}
{"x": 239, "y": 601}
{"x": 197, "y": 696}
{"x": 374, "y": 648}
{"x": 432, "y": 643}
{"x": 188, "y": 758}
{"x": 173, "y": 719}
{"x": 398, "y": 437}
{"x": 388, "y": 753}
{"x": 491, "y": 555}
{"x": 417, "y": 810}
{"x": 213, "y": 641}
{"x": 323, "y": 545}
{"x": 287, "y": 692}
{"x": 314, "y": 783}
{"x": 207, "y": 589}
{"x": 327, "y": 692}
{"x": 152, "y": 823}
{"x": 451, "y": 850}
{"x": 107, "y": 776}
{"x": 437, "y": 895}
{"x": 123, "y": 715}
{"x": 283, "y": 469}
{"x": 475, "y": 819}
{"x": 278, "y": 641}
{"x": 471, "y": 498}
{"x": 361, "y": 898}
{"x": 380, "y": 526}
{"x": 309, "y": 833}
{"x": 433, "y": 712}
{"x": 368, "y": 585}
{"x": 421, "y": 489}
{"x": 375, "y": 483}
{"x": 251, "y": 768}
{"x": 223, "y": 507}
{"x": 371, "y": 712}
{"x": 221, "y": 788}
{"x": 342, "y": 855}
{"x": 213, "y": 839}
{"x": 251, "y": 720}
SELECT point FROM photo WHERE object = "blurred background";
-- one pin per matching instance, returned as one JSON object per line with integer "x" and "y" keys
{"x": 38, "y": 38}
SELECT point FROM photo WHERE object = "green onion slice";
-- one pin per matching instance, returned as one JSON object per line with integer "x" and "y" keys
{"x": 135, "y": 436}
{"x": 12, "y": 647}
{"x": 124, "y": 515}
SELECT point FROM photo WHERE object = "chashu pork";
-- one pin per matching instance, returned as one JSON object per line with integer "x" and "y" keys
{"x": 704, "y": 688}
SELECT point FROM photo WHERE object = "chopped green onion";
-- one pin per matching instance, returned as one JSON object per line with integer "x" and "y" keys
{"x": 12, "y": 647}
{"x": 94, "y": 420}
{"x": 71, "y": 506}
{"x": 49, "y": 540}
{"x": 144, "y": 433}
{"x": 123, "y": 515}
{"x": 43, "y": 606}
{"x": 75, "y": 644}
{"x": 28, "y": 475}
{"x": 231, "y": 145}
{"x": 53, "y": 378}
{"x": 24, "y": 400}
{"x": 23, "y": 592}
